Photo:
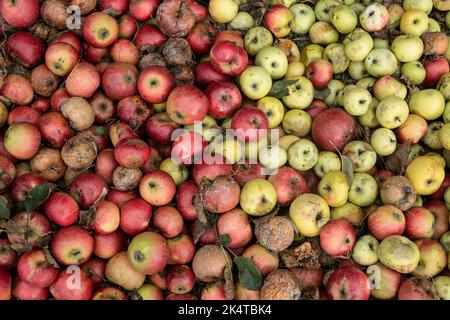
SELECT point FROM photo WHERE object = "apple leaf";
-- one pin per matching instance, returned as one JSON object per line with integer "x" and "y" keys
{"x": 44, "y": 240}
{"x": 322, "y": 94}
{"x": 249, "y": 274}
{"x": 229, "y": 283}
{"x": 21, "y": 247}
{"x": 224, "y": 240}
{"x": 280, "y": 88}
{"x": 199, "y": 229}
{"x": 87, "y": 217}
{"x": 397, "y": 161}
{"x": 38, "y": 195}
{"x": 5, "y": 211}
{"x": 198, "y": 205}
{"x": 50, "y": 258}
{"x": 347, "y": 168}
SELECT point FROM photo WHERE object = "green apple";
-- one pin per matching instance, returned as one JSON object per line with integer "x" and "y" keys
{"x": 379, "y": 43}
{"x": 232, "y": 150}
{"x": 363, "y": 190}
{"x": 447, "y": 198}
{"x": 286, "y": 3}
{"x": 327, "y": 161}
{"x": 433, "y": 25}
{"x": 273, "y": 60}
{"x": 366, "y": 83}
{"x": 414, "y": 22}
{"x": 311, "y": 53}
{"x": 357, "y": 8}
{"x": 433, "y": 258}
{"x": 414, "y": 71}
{"x": 333, "y": 87}
{"x": 392, "y": 112}
{"x": 383, "y": 141}
{"x": 323, "y": 33}
{"x": 297, "y": 122}
{"x": 226, "y": 124}
{"x": 258, "y": 197}
{"x": 310, "y": 213}
{"x": 407, "y": 48}
{"x": 357, "y": 101}
{"x": 416, "y": 150}
{"x": 444, "y": 86}
{"x": 369, "y": 119}
{"x": 179, "y": 173}
{"x": 341, "y": 93}
{"x": 304, "y": 18}
{"x": 362, "y": 155}
{"x": 333, "y": 188}
{"x": 256, "y": 39}
{"x": 273, "y": 108}
{"x": 357, "y": 45}
{"x": 446, "y": 114}
{"x": 442, "y": 284}
{"x": 357, "y": 70}
{"x": 399, "y": 253}
{"x": 431, "y": 137}
{"x": 445, "y": 241}
{"x": 428, "y": 103}
{"x": 272, "y": 157}
{"x": 389, "y": 86}
{"x": 335, "y": 53}
{"x": 242, "y": 21}
{"x": 159, "y": 107}
{"x": 255, "y": 82}
{"x": 302, "y": 155}
{"x": 348, "y": 211}
{"x": 424, "y": 5}
{"x": 295, "y": 69}
{"x": 301, "y": 93}
{"x": 365, "y": 251}
{"x": 286, "y": 141}
{"x": 323, "y": 8}
{"x": 444, "y": 136}
{"x": 381, "y": 62}
{"x": 447, "y": 52}
{"x": 343, "y": 19}
{"x": 223, "y": 11}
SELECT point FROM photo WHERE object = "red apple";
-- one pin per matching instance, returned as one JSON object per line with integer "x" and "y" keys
{"x": 224, "y": 99}
{"x": 308, "y": 277}
{"x": 41, "y": 105}
{"x": 159, "y": 128}
{"x": 250, "y": 124}
{"x": 439, "y": 195}
{"x": 435, "y": 68}
{"x": 220, "y": 195}
{"x": 420, "y": 223}
{"x": 337, "y": 237}
{"x": 277, "y": 18}
{"x": 236, "y": 224}
{"x": 62, "y": 209}
{"x": 17, "y": 89}
{"x": 131, "y": 153}
{"x": 119, "y": 131}
{"x": 34, "y": 268}
{"x": 182, "y": 249}
{"x": 95, "y": 269}
{"x": 71, "y": 38}
{"x": 320, "y": 73}
{"x": 72, "y": 284}
{"x": 168, "y": 220}
{"x": 119, "y": 80}
{"x": 109, "y": 293}
{"x": 61, "y": 57}
{"x": 201, "y": 38}
{"x": 228, "y": 58}
{"x": 87, "y": 189}
{"x": 23, "y": 114}
{"x": 199, "y": 10}
{"x": 13, "y": 12}
{"x": 134, "y": 111}
{"x": 230, "y": 35}
{"x": 8, "y": 173}
{"x": 188, "y": 147}
{"x": 153, "y": 161}
{"x": 34, "y": 226}
{"x": 25, "y": 48}
{"x": 205, "y": 74}
{"x": 157, "y": 188}
{"x": 125, "y": 51}
{"x": 180, "y": 279}
{"x": 187, "y": 104}
{"x": 210, "y": 171}
{"x": 22, "y": 140}
{"x": 135, "y": 216}
{"x": 114, "y": 7}
{"x": 316, "y": 107}
{"x": 108, "y": 245}
{"x": 441, "y": 216}
{"x": 105, "y": 164}
{"x": 23, "y": 184}
{"x": 44, "y": 81}
{"x": 100, "y": 30}
{"x": 386, "y": 221}
{"x": 5, "y": 285}
{"x": 96, "y": 55}
{"x": 149, "y": 35}
{"x": 107, "y": 217}
{"x": 185, "y": 200}
{"x": 214, "y": 291}
{"x": 143, "y": 10}
{"x": 127, "y": 26}
{"x": 333, "y": 128}
{"x": 22, "y": 290}
{"x": 8, "y": 257}
{"x": 289, "y": 184}
{"x": 72, "y": 245}
{"x": 348, "y": 283}
{"x": 104, "y": 108}
{"x": 413, "y": 129}
{"x": 55, "y": 129}
{"x": 155, "y": 83}
{"x": 58, "y": 98}
{"x": 83, "y": 80}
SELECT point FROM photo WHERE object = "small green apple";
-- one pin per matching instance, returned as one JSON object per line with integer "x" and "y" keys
{"x": 343, "y": 19}
{"x": 379, "y": 43}
{"x": 414, "y": 71}
{"x": 333, "y": 87}
{"x": 381, "y": 62}
{"x": 327, "y": 161}
{"x": 179, "y": 173}
{"x": 273, "y": 60}
{"x": 392, "y": 112}
{"x": 256, "y": 39}
{"x": 304, "y": 18}
{"x": 428, "y": 103}
{"x": 272, "y": 157}
{"x": 433, "y": 25}
{"x": 444, "y": 86}
{"x": 302, "y": 155}
{"x": 333, "y": 188}
{"x": 365, "y": 251}
{"x": 295, "y": 69}
{"x": 357, "y": 70}
{"x": 242, "y": 21}
{"x": 301, "y": 93}
{"x": 363, "y": 190}
{"x": 431, "y": 137}
{"x": 207, "y": 128}
{"x": 424, "y": 5}
{"x": 369, "y": 119}
{"x": 258, "y": 197}
{"x": 323, "y": 8}
{"x": 444, "y": 136}
{"x": 358, "y": 44}
{"x": 357, "y": 8}
{"x": 445, "y": 241}
{"x": 383, "y": 141}
{"x": 348, "y": 211}
{"x": 362, "y": 155}
{"x": 273, "y": 108}
{"x": 357, "y": 101}
{"x": 297, "y": 122}
{"x": 255, "y": 82}
{"x": 442, "y": 284}
{"x": 366, "y": 83}
{"x": 335, "y": 53}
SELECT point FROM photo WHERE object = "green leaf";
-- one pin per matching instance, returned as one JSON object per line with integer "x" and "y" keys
{"x": 249, "y": 274}
{"x": 38, "y": 195}
{"x": 322, "y": 94}
{"x": 280, "y": 88}
{"x": 100, "y": 131}
{"x": 5, "y": 211}
{"x": 224, "y": 240}
{"x": 347, "y": 168}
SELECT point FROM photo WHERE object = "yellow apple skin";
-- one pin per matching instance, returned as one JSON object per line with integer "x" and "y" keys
{"x": 348, "y": 211}
{"x": 310, "y": 213}
{"x": 286, "y": 141}
{"x": 444, "y": 136}
{"x": 295, "y": 69}
{"x": 223, "y": 11}
{"x": 333, "y": 188}
{"x": 258, "y": 197}
{"x": 425, "y": 174}
{"x": 429, "y": 104}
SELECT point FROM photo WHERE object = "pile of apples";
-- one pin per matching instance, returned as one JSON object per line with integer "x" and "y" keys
{"x": 230, "y": 149}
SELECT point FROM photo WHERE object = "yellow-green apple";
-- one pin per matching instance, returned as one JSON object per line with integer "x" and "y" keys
{"x": 258, "y": 197}
{"x": 381, "y": 62}
{"x": 303, "y": 155}
{"x": 426, "y": 174}
{"x": 278, "y": 19}
{"x": 414, "y": 22}
{"x": 428, "y": 103}
{"x": 444, "y": 136}
{"x": 389, "y": 86}
{"x": 223, "y": 11}
{"x": 357, "y": 45}
{"x": 301, "y": 93}
{"x": 433, "y": 258}
{"x": 177, "y": 171}
{"x": 380, "y": 43}
{"x": 392, "y": 112}
{"x": 295, "y": 69}
{"x": 386, "y": 221}
{"x": 343, "y": 19}
{"x": 148, "y": 252}
{"x": 362, "y": 155}
{"x": 107, "y": 217}
{"x": 272, "y": 157}
{"x": 369, "y": 119}
{"x": 320, "y": 73}
{"x": 149, "y": 292}
{"x": 431, "y": 138}
{"x": 322, "y": 9}
{"x": 119, "y": 271}
{"x": 333, "y": 188}
{"x": 297, "y": 122}
{"x": 395, "y": 14}
{"x": 327, "y": 161}
{"x": 310, "y": 213}
{"x": 335, "y": 53}
{"x": 441, "y": 5}
{"x": 424, "y": 5}
{"x": 399, "y": 253}
{"x": 323, "y": 33}
{"x": 273, "y": 60}
{"x": 407, "y": 48}
{"x": 228, "y": 58}
{"x": 286, "y": 141}
{"x": 348, "y": 211}
{"x": 365, "y": 251}
{"x": 444, "y": 86}
{"x": 273, "y": 108}
{"x": 356, "y": 101}
{"x": 255, "y": 82}
{"x": 208, "y": 126}
{"x": 412, "y": 130}
{"x": 310, "y": 53}
{"x": 414, "y": 71}
{"x": 363, "y": 190}
{"x": 357, "y": 70}
{"x": 303, "y": 18}
{"x": 242, "y": 21}
{"x": 230, "y": 149}
{"x": 348, "y": 283}
{"x": 420, "y": 223}
{"x": 256, "y": 39}
{"x": 442, "y": 284}
{"x": 374, "y": 18}
{"x": 383, "y": 141}
{"x": 22, "y": 140}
